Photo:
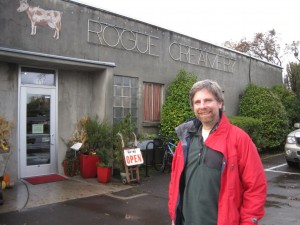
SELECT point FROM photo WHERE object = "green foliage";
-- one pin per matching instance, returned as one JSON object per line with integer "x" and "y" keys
{"x": 145, "y": 136}
{"x": 99, "y": 134}
{"x": 261, "y": 103}
{"x": 106, "y": 156}
{"x": 126, "y": 129}
{"x": 71, "y": 162}
{"x": 292, "y": 79}
{"x": 251, "y": 126}
{"x": 176, "y": 108}
{"x": 290, "y": 102}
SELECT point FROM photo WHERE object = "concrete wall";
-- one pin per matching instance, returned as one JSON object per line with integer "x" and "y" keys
{"x": 9, "y": 110}
{"x": 81, "y": 94}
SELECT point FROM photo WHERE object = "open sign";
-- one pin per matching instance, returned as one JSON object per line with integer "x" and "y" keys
{"x": 133, "y": 157}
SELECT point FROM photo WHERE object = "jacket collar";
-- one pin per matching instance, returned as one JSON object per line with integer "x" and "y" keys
{"x": 215, "y": 140}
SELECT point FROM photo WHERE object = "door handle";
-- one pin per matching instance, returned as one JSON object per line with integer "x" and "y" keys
{"x": 52, "y": 142}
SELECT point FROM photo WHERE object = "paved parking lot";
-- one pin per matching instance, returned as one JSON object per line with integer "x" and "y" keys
{"x": 147, "y": 203}
{"x": 283, "y": 200}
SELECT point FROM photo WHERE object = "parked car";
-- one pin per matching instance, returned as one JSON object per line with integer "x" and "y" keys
{"x": 292, "y": 147}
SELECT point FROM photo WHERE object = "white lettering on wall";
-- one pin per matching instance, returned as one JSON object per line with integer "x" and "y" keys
{"x": 118, "y": 37}
{"x": 196, "y": 56}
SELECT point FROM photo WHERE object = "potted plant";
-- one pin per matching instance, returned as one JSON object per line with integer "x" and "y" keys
{"x": 70, "y": 163}
{"x": 71, "y": 160}
{"x": 104, "y": 166}
{"x": 105, "y": 151}
{"x": 88, "y": 157}
{"x": 5, "y": 153}
{"x": 123, "y": 136}
{"x": 98, "y": 145}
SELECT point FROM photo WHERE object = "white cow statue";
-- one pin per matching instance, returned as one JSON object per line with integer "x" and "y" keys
{"x": 41, "y": 17}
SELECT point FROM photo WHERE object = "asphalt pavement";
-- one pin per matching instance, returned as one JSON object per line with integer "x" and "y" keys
{"x": 142, "y": 204}
{"x": 146, "y": 203}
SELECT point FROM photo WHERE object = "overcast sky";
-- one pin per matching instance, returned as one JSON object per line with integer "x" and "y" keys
{"x": 215, "y": 21}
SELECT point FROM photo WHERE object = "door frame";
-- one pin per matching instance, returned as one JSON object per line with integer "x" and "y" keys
{"x": 54, "y": 91}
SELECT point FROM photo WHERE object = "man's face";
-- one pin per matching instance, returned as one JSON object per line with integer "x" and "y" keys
{"x": 206, "y": 108}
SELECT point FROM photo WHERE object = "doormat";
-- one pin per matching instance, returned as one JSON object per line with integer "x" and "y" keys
{"x": 45, "y": 179}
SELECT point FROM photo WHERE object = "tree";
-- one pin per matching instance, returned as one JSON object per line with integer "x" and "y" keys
{"x": 263, "y": 46}
{"x": 294, "y": 49}
{"x": 292, "y": 78}
{"x": 176, "y": 108}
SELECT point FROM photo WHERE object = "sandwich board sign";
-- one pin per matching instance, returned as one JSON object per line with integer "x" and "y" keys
{"x": 133, "y": 157}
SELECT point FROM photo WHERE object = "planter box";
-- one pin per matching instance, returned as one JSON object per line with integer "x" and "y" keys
{"x": 88, "y": 168}
{"x": 104, "y": 174}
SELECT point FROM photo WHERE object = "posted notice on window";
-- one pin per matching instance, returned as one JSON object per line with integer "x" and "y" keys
{"x": 37, "y": 128}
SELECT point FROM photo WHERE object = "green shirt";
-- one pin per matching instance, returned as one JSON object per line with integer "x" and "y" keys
{"x": 202, "y": 184}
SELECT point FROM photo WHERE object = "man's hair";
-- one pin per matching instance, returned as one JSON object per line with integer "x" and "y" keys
{"x": 212, "y": 86}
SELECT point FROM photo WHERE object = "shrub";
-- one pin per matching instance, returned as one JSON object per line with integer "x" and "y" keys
{"x": 124, "y": 129}
{"x": 251, "y": 126}
{"x": 176, "y": 108}
{"x": 261, "y": 103}
{"x": 290, "y": 102}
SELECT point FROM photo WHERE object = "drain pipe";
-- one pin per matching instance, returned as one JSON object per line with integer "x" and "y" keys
{"x": 250, "y": 70}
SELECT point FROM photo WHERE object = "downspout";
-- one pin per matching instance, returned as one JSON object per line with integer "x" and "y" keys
{"x": 250, "y": 70}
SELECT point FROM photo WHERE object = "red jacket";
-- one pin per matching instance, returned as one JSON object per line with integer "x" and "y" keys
{"x": 243, "y": 182}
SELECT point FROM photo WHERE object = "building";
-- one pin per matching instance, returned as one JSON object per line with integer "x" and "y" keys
{"x": 60, "y": 60}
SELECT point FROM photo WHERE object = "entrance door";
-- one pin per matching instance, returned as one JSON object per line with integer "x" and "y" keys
{"x": 37, "y": 131}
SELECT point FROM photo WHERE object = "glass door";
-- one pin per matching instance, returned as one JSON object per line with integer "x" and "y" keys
{"x": 37, "y": 131}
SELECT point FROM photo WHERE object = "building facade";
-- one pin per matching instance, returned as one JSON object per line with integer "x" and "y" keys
{"x": 61, "y": 60}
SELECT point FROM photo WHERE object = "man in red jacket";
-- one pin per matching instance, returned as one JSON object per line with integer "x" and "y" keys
{"x": 217, "y": 176}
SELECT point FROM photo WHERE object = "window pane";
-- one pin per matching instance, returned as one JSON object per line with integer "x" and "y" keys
{"x": 133, "y": 103}
{"x": 126, "y": 102}
{"x": 126, "y": 81}
{"x": 126, "y": 111}
{"x": 134, "y": 83}
{"x": 126, "y": 91}
{"x": 118, "y": 112}
{"x": 117, "y": 101}
{"x": 133, "y": 112}
{"x": 37, "y": 76}
{"x": 118, "y": 80}
{"x": 117, "y": 91}
{"x": 133, "y": 92}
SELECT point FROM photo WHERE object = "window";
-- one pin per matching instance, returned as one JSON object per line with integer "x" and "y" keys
{"x": 152, "y": 102}
{"x": 125, "y": 98}
{"x": 37, "y": 76}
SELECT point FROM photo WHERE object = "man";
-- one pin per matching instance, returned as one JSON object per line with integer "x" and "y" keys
{"x": 217, "y": 175}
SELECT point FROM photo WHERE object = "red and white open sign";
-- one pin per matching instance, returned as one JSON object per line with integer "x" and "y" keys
{"x": 133, "y": 157}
